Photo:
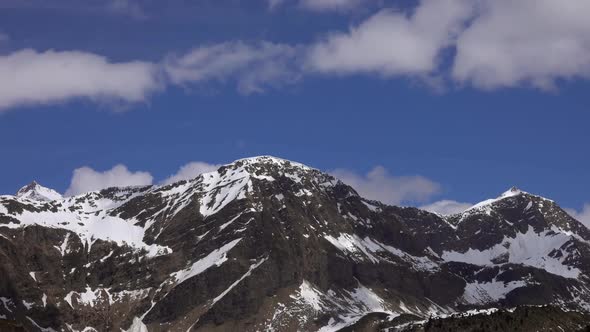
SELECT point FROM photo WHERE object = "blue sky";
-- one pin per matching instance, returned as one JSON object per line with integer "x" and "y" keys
{"x": 347, "y": 86}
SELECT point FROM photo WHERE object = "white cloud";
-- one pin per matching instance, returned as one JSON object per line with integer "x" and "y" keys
{"x": 254, "y": 66}
{"x": 191, "y": 170}
{"x": 393, "y": 43}
{"x": 28, "y": 77}
{"x": 86, "y": 179}
{"x": 330, "y": 5}
{"x": 446, "y": 207}
{"x": 500, "y": 43}
{"x": 582, "y": 216}
{"x": 379, "y": 185}
{"x": 525, "y": 42}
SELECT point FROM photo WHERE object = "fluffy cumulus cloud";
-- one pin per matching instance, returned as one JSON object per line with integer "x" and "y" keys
{"x": 446, "y": 207}
{"x": 534, "y": 42}
{"x": 254, "y": 66}
{"x": 191, "y": 170}
{"x": 379, "y": 185}
{"x": 31, "y": 77}
{"x": 392, "y": 42}
{"x": 86, "y": 179}
{"x": 499, "y": 43}
{"x": 582, "y": 216}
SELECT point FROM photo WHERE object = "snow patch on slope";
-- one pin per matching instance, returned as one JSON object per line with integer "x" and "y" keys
{"x": 216, "y": 257}
{"x": 89, "y": 297}
{"x": 310, "y": 296}
{"x": 348, "y": 306}
{"x": 245, "y": 275}
{"x": 221, "y": 190}
{"x": 88, "y": 216}
{"x": 137, "y": 326}
{"x": 530, "y": 248}
{"x": 366, "y": 249}
{"x": 90, "y": 227}
{"x": 489, "y": 292}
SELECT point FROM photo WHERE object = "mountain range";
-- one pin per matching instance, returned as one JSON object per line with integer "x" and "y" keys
{"x": 267, "y": 244}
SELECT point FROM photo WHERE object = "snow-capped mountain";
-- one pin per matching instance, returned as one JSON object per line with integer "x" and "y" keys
{"x": 37, "y": 192}
{"x": 266, "y": 244}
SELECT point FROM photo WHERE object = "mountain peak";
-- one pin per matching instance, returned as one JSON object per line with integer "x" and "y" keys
{"x": 28, "y": 188}
{"x": 267, "y": 159}
{"x": 513, "y": 191}
{"x": 35, "y": 191}
{"x": 268, "y": 166}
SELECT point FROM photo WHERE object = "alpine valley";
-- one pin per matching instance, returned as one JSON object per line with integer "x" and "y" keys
{"x": 265, "y": 244}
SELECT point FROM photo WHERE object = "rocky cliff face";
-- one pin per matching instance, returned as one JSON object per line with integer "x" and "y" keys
{"x": 267, "y": 244}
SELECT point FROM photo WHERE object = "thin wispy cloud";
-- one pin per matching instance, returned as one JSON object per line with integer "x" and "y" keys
{"x": 131, "y": 8}
{"x": 319, "y": 6}
{"x": 254, "y": 67}
{"x": 331, "y": 5}
{"x": 582, "y": 215}
{"x": 446, "y": 207}
{"x": 273, "y": 4}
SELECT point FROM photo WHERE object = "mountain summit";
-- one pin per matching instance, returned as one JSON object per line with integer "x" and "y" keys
{"x": 37, "y": 192}
{"x": 266, "y": 244}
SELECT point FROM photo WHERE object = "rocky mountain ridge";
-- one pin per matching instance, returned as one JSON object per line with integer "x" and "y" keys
{"x": 267, "y": 244}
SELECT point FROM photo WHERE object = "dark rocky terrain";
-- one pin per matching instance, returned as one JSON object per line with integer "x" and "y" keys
{"x": 264, "y": 244}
